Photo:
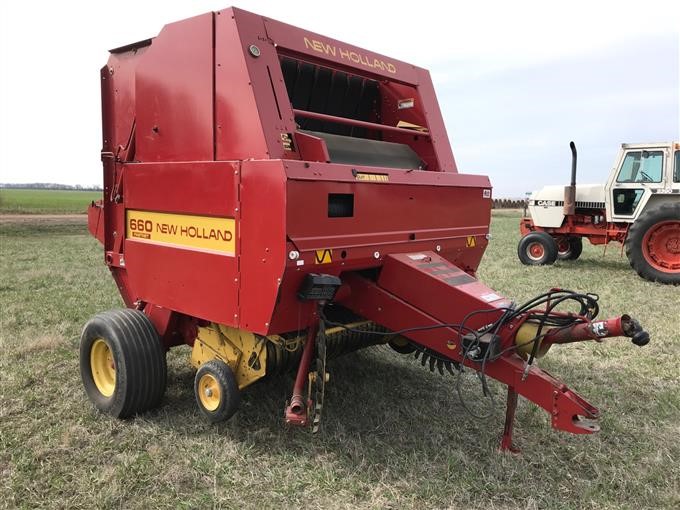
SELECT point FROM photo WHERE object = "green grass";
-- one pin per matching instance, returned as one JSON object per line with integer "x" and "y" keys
{"x": 46, "y": 201}
{"x": 394, "y": 435}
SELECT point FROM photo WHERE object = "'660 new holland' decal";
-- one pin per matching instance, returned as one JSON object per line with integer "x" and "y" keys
{"x": 205, "y": 233}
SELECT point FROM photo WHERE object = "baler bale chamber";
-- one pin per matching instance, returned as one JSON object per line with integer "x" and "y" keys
{"x": 275, "y": 198}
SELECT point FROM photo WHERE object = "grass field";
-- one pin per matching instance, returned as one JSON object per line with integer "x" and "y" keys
{"x": 394, "y": 435}
{"x": 45, "y": 201}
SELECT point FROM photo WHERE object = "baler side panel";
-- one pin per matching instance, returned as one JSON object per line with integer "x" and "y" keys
{"x": 388, "y": 217}
{"x": 383, "y": 214}
{"x": 174, "y": 94}
{"x": 262, "y": 241}
{"x": 290, "y": 313}
{"x": 202, "y": 188}
{"x": 239, "y": 133}
{"x": 435, "y": 122}
{"x": 437, "y": 209}
{"x": 118, "y": 98}
{"x": 266, "y": 84}
{"x": 425, "y": 112}
{"x": 394, "y": 94}
{"x": 109, "y": 120}
{"x": 189, "y": 280}
{"x": 118, "y": 121}
{"x": 193, "y": 282}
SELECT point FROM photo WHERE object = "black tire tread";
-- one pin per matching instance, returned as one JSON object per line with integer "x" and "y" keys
{"x": 575, "y": 248}
{"x": 549, "y": 245}
{"x": 141, "y": 369}
{"x": 230, "y": 390}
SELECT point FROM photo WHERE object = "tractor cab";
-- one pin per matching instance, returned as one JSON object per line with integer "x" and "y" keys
{"x": 641, "y": 171}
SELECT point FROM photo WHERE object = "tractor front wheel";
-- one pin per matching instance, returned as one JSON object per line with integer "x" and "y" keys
{"x": 537, "y": 249}
{"x": 217, "y": 393}
{"x": 122, "y": 363}
{"x": 569, "y": 248}
{"x": 653, "y": 244}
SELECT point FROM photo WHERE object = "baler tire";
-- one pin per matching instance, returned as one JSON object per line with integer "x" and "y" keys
{"x": 122, "y": 363}
{"x": 574, "y": 251}
{"x": 224, "y": 396}
{"x": 527, "y": 249}
{"x": 641, "y": 236}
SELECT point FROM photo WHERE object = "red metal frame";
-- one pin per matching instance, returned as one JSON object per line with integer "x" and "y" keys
{"x": 198, "y": 122}
{"x": 359, "y": 123}
{"x": 398, "y": 302}
{"x": 296, "y": 410}
{"x": 581, "y": 225}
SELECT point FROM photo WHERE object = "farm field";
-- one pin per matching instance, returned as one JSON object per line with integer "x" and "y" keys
{"x": 394, "y": 435}
{"x": 45, "y": 201}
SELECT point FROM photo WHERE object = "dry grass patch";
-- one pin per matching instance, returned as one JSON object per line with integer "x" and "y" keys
{"x": 39, "y": 343}
{"x": 394, "y": 435}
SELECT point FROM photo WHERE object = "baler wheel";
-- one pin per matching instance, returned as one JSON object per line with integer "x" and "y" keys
{"x": 537, "y": 249}
{"x": 653, "y": 244}
{"x": 122, "y": 363}
{"x": 217, "y": 393}
{"x": 569, "y": 248}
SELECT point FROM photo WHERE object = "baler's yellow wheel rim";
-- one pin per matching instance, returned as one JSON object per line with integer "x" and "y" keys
{"x": 209, "y": 392}
{"x": 103, "y": 367}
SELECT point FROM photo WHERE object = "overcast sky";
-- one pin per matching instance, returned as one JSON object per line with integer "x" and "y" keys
{"x": 516, "y": 80}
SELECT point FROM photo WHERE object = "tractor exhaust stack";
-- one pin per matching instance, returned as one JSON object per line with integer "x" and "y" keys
{"x": 570, "y": 191}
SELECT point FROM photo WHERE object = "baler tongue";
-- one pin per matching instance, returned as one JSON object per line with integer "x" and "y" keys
{"x": 448, "y": 314}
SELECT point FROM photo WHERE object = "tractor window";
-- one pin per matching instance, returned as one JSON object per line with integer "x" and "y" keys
{"x": 676, "y": 172}
{"x": 641, "y": 166}
{"x": 626, "y": 201}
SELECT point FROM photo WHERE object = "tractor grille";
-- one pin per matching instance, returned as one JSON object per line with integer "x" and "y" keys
{"x": 589, "y": 205}
{"x": 560, "y": 203}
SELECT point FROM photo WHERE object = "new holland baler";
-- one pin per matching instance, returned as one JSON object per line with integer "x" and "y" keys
{"x": 275, "y": 198}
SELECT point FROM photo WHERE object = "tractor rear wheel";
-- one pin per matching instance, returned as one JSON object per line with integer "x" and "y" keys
{"x": 537, "y": 249}
{"x": 217, "y": 393}
{"x": 653, "y": 244}
{"x": 569, "y": 248}
{"x": 122, "y": 363}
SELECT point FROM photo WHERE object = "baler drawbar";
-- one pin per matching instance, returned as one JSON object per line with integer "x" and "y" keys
{"x": 274, "y": 198}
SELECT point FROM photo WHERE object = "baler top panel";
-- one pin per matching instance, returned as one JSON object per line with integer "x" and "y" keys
{"x": 241, "y": 86}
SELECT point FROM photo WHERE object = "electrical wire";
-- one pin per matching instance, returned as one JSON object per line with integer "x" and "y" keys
{"x": 588, "y": 310}
{"x": 390, "y": 333}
